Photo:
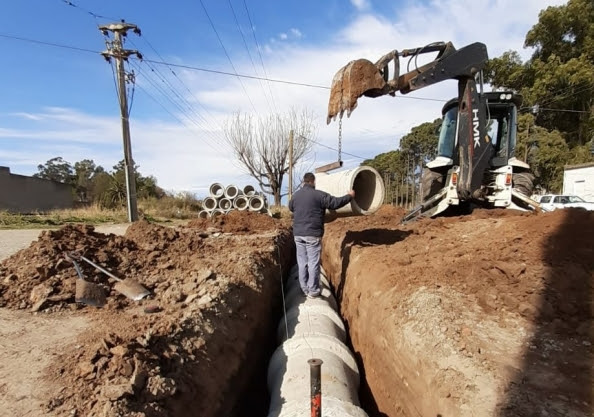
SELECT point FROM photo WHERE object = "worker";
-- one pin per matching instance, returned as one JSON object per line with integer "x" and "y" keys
{"x": 309, "y": 208}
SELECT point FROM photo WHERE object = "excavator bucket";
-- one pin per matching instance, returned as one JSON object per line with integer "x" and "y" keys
{"x": 357, "y": 78}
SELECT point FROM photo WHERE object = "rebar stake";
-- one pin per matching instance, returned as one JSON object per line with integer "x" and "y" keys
{"x": 315, "y": 370}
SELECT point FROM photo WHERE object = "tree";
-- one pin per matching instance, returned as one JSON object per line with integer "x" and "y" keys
{"x": 392, "y": 167}
{"x": 545, "y": 151}
{"x": 84, "y": 172}
{"x": 559, "y": 77}
{"x": 56, "y": 169}
{"x": 419, "y": 147}
{"x": 402, "y": 168}
{"x": 262, "y": 145}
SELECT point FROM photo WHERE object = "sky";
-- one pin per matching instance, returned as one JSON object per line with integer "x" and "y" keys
{"x": 62, "y": 102}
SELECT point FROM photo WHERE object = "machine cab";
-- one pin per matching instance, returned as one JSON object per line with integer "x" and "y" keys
{"x": 501, "y": 118}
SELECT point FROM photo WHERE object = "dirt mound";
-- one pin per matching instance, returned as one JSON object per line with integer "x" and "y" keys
{"x": 486, "y": 314}
{"x": 186, "y": 346}
{"x": 238, "y": 222}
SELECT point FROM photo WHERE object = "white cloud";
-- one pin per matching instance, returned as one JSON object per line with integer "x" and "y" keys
{"x": 184, "y": 159}
{"x": 360, "y": 4}
{"x": 296, "y": 33}
{"x": 283, "y": 36}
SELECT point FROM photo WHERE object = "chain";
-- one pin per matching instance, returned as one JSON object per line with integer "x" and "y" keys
{"x": 340, "y": 140}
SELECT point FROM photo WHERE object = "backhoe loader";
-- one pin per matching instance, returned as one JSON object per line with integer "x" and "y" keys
{"x": 475, "y": 163}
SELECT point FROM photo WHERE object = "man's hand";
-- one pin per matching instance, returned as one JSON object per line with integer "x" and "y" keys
{"x": 352, "y": 193}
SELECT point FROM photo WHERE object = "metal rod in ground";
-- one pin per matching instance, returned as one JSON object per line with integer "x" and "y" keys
{"x": 315, "y": 372}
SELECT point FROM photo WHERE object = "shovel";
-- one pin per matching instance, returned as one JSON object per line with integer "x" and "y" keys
{"x": 87, "y": 292}
{"x": 128, "y": 287}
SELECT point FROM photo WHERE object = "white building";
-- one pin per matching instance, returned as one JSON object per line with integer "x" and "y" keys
{"x": 579, "y": 180}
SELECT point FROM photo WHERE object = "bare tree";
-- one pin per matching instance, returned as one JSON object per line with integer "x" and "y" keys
{"x": 262, "y": 145}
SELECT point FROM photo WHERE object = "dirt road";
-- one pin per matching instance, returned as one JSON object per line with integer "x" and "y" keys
{"x": 29, "y": 343}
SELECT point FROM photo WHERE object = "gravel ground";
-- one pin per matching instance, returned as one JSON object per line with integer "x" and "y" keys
{"x": 12, "y": 241}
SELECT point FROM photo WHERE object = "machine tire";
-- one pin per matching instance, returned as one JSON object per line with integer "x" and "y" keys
{"x": 523, "y": 182}
{"x": 432, "y": 182}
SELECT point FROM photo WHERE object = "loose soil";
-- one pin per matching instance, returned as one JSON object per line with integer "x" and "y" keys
{"x": 188, "y": 349}
{"x": 482, "y": 315}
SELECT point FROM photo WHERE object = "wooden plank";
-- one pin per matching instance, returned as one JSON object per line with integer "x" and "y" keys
{"x": 329, "y": 167}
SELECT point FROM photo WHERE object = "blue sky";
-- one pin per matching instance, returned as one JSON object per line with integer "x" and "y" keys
{"x": 60, "y": 102}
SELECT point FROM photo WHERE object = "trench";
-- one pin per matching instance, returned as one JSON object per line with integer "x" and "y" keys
{"x": 249, "y": 386}
{"x": 282, "y": 360}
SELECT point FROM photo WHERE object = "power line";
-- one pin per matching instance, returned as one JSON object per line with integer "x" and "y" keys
{"x": 227, "y": 54}
{"x": 178, "y": 79}
{"x": 334, "y": 149}
{"x": 217, "y": 140}
{"x": 194, "y": 68}
{"x": 57, "y": 45}
{"x": 190, "y": 67}
{"x": 95, "y": 15}
{"x": 564, "y": 110}
{"x": 153, "y": 70}
{"x": 249, "y": 53}
{"x": 259, "y": 51}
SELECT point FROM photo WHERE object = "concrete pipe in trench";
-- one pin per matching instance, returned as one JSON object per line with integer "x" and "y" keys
{"x": 203, "y": 214}
{"x": 314, "y": 330}
{"x": 232, "y": 191}
{"x": 241, "y": 203}
{"x": 225, "y": 204}
{"x": 256, "y": 203}
{"x": 209, "y": 203}
{"x": 368, "y": 186}
{"x": 216, "y": 190}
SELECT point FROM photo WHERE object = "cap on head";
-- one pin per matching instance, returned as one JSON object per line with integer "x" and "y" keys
{"x": 309, "y": 178}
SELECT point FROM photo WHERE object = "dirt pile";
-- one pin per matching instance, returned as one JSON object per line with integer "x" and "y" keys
{"x": 487, "y": 314}
{"x": 188, "y": 346}
{"x": 239, "y": 222}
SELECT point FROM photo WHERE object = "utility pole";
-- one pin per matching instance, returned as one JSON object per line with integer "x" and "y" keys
{"x": 115, "y": 49}
{"x": 290, "y": 165}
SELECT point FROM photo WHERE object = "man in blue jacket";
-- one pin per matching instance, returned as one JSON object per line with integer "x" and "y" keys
{"x": 309, "y": 207}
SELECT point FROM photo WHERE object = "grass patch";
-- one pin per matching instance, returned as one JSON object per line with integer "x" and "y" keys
{"x": 168, "y": 209}
{"x": 58, "y": 218}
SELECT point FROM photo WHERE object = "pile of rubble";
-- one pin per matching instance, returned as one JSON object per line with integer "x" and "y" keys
{"x": 185, "y": 347}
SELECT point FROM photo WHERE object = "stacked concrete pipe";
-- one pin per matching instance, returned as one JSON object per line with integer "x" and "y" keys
{"x": 313, "y": 329}
{"x": 241, "y": 203}
{"x": 249, "y": 190}
{"x": 368, "y": 186}
{"x": 223, "y": 199}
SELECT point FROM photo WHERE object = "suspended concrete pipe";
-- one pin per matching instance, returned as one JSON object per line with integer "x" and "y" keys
{"x": 368, "y": 186}
{"x": 313, "y": 329}
{"x": 225, "y": 204}
{"x": 232, "y": 191}
{"x": 249, "y": 190}
{"x": 217, "y": 190}
{"x": 256, "y": 203}
{"x": 209, "y": 203}
{"x": 203, "y": 214}
{"x": 241, "y": 203}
